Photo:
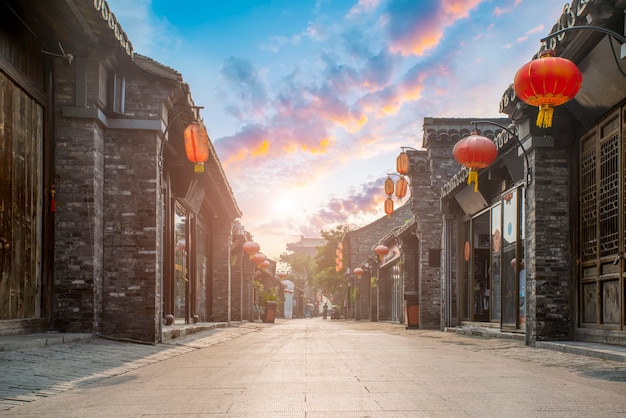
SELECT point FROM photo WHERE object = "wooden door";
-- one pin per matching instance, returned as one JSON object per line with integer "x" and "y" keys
{"x": 21, "y": 133}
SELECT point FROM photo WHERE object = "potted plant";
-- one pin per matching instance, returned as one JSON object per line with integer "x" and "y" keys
{"x": 268, "y": 300}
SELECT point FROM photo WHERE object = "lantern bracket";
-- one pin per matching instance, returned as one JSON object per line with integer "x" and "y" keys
{"x": 620, "y": 38}
{"x": 178, "y": 114}
{"x": 170, "y": 122}
{"x": 516, "y": 137}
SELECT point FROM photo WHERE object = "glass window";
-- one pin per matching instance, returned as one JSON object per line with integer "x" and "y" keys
{"x": 509, "y": 251}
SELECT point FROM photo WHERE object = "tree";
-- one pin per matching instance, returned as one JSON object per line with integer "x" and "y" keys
{"x": 301, "y": 266}
{"x": 326, "y": 276}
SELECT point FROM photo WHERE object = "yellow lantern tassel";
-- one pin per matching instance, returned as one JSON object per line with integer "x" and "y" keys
{"x": 473, "y": 178}
{"x": 544, "y": 117}
{"x": 198, "y": 168}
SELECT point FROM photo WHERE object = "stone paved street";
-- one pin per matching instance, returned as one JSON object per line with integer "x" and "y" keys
{"x": 310, "y": 368}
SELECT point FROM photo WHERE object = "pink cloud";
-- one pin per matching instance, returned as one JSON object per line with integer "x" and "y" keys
{"x": 418, "y": 27}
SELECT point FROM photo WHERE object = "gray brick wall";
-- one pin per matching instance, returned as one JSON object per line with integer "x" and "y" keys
{"x": 549, "y": 287}
{"x": 220, "y": 271}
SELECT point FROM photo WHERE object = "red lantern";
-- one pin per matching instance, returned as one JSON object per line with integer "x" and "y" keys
{"x": 402, "y": 163}
{"x": 401, "y": 186}
{"x": 197, "y": 145}
{"x": 389, "y": 186}
{"x": 381, "y": 250}
{"x": 251, "y": 247}
{"x": 547, "y": 82}
{"x": 265, "y": 264}
{"x": 389, "y": 206}
{"x": 258, "y": 258}
{"x": 474, "y": 152}
{"x": 358, "y": 271}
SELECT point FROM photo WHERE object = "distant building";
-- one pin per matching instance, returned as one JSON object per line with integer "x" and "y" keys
{"x": 306, "y": 246}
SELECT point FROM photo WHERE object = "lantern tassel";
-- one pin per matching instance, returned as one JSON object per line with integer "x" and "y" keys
{"x": 53, "y": 206}
{"x": 473, "y": 178}
{"x": 544, "y": 117}
{"x": 198, "y": 168}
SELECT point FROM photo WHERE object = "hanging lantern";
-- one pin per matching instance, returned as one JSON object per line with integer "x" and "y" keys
{"x": 547, "y": 82}
{"x": 389, "y": 186}
{"x": 358, "y": 271}
{"x": 258, "y": 258}
{"x": 381, "y": 251}
{"x": 281, "y": 275}
{"x": 197, "y": 146}
{"x": 402, "y": 163}
{"x": 401, "y": 187}
{"x": 251, "y": 247}
{"x": 475, "y": 152}
{"x": 265, "y": 264}
{"x": 389, "y": 206}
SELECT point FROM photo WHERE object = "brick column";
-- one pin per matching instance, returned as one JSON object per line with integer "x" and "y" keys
{"x": 549, "y": 258}
{"x": 221, "y": 286}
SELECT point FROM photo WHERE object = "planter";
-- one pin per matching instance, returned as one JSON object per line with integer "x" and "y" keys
{"x": 270, "y": 312}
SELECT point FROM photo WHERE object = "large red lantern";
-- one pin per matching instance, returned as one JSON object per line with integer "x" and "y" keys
{"x": 358, "y": 271}
{"x": 265, "y": 264}
{"x": 197, "y": 146}
{"x": 381, "y": 251}
{"x": 251, "y": 247}
{"x": 402, "y": 163}
{"x": 258, "y": 258}
{"x": 389, "y": 206}
{"x": 547, "y": 82}
{"x": 475, "y": 152}
{"x": 401, "y": 187}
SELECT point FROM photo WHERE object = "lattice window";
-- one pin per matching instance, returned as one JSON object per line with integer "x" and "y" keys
{"x": 588, "y": 201}
{"x": 609, "y": 196}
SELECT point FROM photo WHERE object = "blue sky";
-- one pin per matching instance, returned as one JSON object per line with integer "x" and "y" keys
{"x": 308, "y": 102}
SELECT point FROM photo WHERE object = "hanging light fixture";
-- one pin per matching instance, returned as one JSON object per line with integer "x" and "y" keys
{"x": 402, "y": 163}
{"x": 401, "y": 188}
{"x": 251, "y": 247}
{"x": 258, "y": 259}
{"x": 389, "y": 206}
{"x": 547, "y": 82}
{"x": 475, "y": 152}
{"x": 389, "y": 186}
{"x": 196, "y": 145}
{"x": 381, "y": 251}
{"x": 358, "y": 271}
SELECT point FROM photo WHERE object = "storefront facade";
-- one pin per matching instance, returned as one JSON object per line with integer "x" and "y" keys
{"x": 105, "y": 226}
{"x": 539, "y": 248}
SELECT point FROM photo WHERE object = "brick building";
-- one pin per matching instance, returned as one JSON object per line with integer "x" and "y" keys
{"x": 539, "y": 248}
{"x": 358, "y": 248}
{"x": 106, "y": 228}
